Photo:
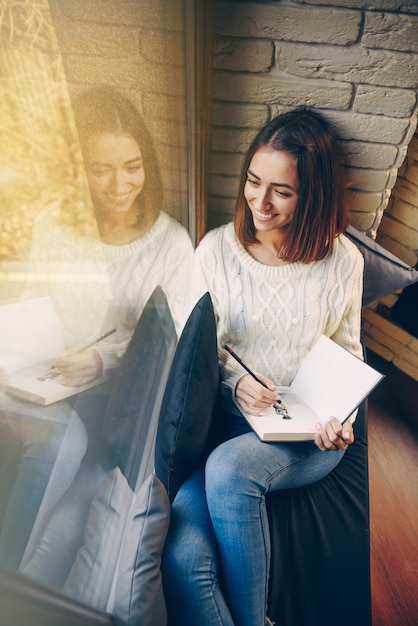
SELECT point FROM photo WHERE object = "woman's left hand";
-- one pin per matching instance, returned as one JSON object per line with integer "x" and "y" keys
{"x": 79, "y": 369}
{"x": 333, "y": 435}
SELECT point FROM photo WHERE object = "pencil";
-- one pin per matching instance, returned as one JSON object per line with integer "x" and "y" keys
{"x": 89, "y": 345}
{"x": 251, "y": 373}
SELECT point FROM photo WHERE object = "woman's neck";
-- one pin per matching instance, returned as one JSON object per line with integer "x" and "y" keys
{"x": 267, "y": 250}
{"x": 121, "y": 229}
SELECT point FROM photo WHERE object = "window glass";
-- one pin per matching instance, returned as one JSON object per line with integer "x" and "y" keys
{"x": 94, "y": 261}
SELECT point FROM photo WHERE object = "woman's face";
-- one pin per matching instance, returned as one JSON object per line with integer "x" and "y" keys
{"x": 271, "y": 189}
{"x": 115, "y": 171}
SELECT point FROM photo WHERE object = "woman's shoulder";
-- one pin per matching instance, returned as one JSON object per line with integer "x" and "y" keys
{"x": 166, "y": 221}
{"x": 168, "y": 227}
{"x": 216, "y": 236}
{"x": 47, "y": 226}
{"x": 346, "y": 249}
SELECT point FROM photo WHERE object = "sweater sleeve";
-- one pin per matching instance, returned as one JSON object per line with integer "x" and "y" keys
{"x": 348, "y": 332}
{"x": 210, "y": 274}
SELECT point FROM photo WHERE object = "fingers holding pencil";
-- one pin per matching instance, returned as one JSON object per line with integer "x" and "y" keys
{"x": 78, "y": 367}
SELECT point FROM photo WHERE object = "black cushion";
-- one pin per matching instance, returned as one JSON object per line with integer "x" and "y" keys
{"x": 132, "y": 411}
{"x": 188, "y": 403}
{"x": 320, "y": 544}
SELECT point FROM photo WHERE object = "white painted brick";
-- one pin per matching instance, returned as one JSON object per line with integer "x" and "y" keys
{"x": 282, "y": 22}
{"x": 363, "y": 154}
{"x": 411, "y": 130}
{"x": 362, "y": 221}
{"x": 92, "y": 39}
{"x": 280, "y": 89}
{"x": 376, "y": 128}
{"x": 224, "y": 186}
{"x": 378, "y": 5}
{"x": 231, "y": 139}
{"x": 163, "y": 106}
{"x": 385, "y": 101}
{"x": 351, "y": 64}
{"x": 364, "y": 202}
{"x": 391, "y": 31}
{"x": 226, "y": 163}
{"x": 162, "y": 47}
{"x": 367, "y": 179}
{"x": 124, "y": 74}
{"x": 240, "y": 115}
{"x": 222, "y": 206}
{"x": 123, "y": 12}
{"x": 244, "y": 55}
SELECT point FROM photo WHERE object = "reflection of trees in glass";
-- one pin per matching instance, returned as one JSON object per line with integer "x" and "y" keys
{"x": 41, "y": 165}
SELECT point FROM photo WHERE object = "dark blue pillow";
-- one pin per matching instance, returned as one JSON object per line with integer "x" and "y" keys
{"x": 132, "y": 411}
{"x": 384, "y": 273}
{"x": 189, "y": 399}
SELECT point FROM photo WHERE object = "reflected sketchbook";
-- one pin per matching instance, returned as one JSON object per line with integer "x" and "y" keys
{"x": 30, "y": 340}
{"x": 331, "y": 382}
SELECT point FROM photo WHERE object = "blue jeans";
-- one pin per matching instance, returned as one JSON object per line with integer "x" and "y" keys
{"x": 37, "y": 444}
{"x": 217, "y": 555}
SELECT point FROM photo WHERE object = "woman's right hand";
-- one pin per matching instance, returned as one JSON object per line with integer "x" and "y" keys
{"x": 253, "y": 397}
{"x": 79, "y": 369}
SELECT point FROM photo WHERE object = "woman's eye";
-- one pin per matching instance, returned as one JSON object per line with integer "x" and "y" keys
{"x": 252, "y": 182}
{"x": 99, "y": 172}
{"x": 283, "y": 194}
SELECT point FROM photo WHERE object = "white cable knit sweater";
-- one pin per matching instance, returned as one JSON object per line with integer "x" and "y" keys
{"x": 97, "y": 286}
{"x": 271, "y": 316}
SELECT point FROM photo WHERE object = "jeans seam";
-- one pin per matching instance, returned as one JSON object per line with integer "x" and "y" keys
{"x": 288, "y": 465}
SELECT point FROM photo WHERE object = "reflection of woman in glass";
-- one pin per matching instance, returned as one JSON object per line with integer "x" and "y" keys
{"x": 96, "y": 284}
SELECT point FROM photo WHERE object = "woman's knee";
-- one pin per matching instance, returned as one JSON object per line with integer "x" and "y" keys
{"x": 229, "y": 466}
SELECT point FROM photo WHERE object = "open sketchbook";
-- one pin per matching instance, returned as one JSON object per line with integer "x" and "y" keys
{"x": 30, "y": 340}
{"x": 331, "y": 382}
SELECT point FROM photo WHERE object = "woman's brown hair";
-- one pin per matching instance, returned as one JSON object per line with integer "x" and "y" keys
{"x": 105, "y": 110}
{"x": 321, "y": 213}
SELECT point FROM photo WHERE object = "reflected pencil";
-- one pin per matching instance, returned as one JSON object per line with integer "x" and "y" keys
{"x": 50, "y": 372}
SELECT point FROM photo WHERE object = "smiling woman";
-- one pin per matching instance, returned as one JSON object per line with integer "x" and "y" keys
{"x": 271, "y": 275}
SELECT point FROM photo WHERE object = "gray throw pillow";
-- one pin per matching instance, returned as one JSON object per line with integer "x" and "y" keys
{"x": 384, "y": 272}
{"x": 139, "y": 598}
{"x": 91, "y": 576}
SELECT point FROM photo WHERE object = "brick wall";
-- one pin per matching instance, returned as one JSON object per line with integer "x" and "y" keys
{"x": 355, "y": 61}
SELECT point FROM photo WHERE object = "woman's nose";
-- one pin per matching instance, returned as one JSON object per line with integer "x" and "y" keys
{"x": 262, "y": 199}
{"x": 118, "y": 180}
